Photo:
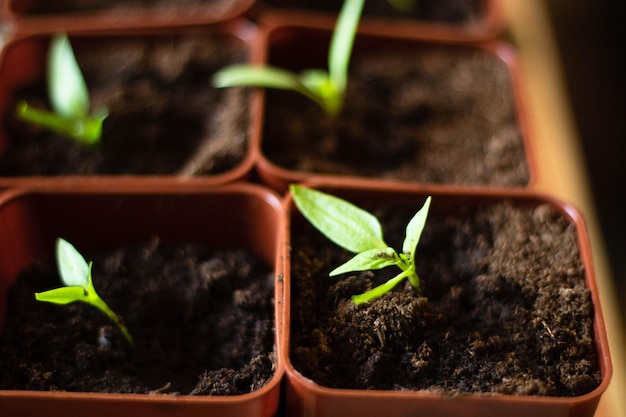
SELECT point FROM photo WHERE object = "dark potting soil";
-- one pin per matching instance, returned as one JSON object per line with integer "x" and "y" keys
{"x": 449, "y": 11}
{"x": 202, "y": 322}
{"x": 504, "y": 309}
{"x": 436, "y": 115}
{"x": 165, "y": 118}
{"x": 184, "y": 7}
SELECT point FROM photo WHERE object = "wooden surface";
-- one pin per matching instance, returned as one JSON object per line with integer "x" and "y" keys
{"x": 560, "y": 168}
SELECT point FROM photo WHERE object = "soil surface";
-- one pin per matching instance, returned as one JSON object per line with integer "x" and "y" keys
{"x": 430, "y": 115}
{"x": 202, "y": 322}
{"x": 165, "y": 118}
{"x": 180, "y": 7}
{"x": 450, "y": 11}
{"x": 503, "y": 309}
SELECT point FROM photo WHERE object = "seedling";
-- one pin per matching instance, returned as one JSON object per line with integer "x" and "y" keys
{"x": 326, "y": 88}
{"x": 69, "y": 98}
{"x": 360, "y": 232}
{"x": 75, "y": 273}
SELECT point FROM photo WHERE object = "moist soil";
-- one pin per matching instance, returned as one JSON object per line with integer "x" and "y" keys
{"x": 165, "y": 118}
{"x": 202, "y": 323}
{"x": 503, "y": 309}
{"x": 123, "y": 7}
{"x": 445, "y": 11}
{"x": 422, "y": 114}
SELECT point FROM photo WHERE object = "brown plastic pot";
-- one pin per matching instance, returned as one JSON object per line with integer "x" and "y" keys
{"x": 23, "y": 65}
{"x": 233, "y": 216}
{"x": 27, "y": 17}
{"x": 284, "y": 45}
{"x": 489, "y": 26}
{"x": 305, "y": 396}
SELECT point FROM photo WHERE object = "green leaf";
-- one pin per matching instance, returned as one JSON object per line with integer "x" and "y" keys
{"x": 317, "y": 80}
{"x": 414, "y": 229}
{"x": 62, "y": 295}
{"x": 267, "y": 77}
{"x": 369, "y": 260}
{"x": 85, "y": 130}
{"x": 66, "y": 86}
{"x": 345, "y": 224}
{"x": 256, "y": 76}
{"x": 380, "y": 290}
{"x": 342, "y": 42}
{"x": 73, "y": 268}
{"x": 320, "y": 85}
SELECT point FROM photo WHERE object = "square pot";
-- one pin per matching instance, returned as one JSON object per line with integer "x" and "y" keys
{"x": 455, "y": 115}
{"x": 34, "y": 16}
{"x": 145, "y": 78}
{"x": 437, "y": 19}
{"x": 233, "y": 217}
{"x": 484, "y": 284}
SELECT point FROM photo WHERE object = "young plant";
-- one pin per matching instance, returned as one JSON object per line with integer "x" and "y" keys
{"x": 326, "y": 88}
{"x": 360, "y": 232}
{"x": 69, "y": 98}
{"x": 75, "y": 273}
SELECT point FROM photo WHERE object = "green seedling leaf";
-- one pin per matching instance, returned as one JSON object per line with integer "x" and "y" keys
{"x": 414, "y": 229}
{"x": 73, "y": 268}
{"x": 367, "y": 261}
{"x": 322, "y": 90}
{"x": 342, "y": 42}
{"x": 63, "y": 295}
{"x": 358, "y": 231}
{"x": 86, "y": 131}
{"x": 325, "y": 87}
{"x": 267, "y": 76}
{"x": 69, "y": 98}
{"x": 262, "y": 76}
{"x": 345, "y": 224}
{"x": 75, "y": 273}
{"x": 67, "y": 89}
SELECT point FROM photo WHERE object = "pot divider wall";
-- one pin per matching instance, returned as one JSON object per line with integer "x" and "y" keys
{"x": 221, "y": 218}
{"x": 488, "y": 24}
{"x": 306, "y": 396}
{"x": 33, "y": 16}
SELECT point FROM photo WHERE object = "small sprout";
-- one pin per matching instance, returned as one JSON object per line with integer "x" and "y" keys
{"x": 75, "y": 273}
{"x": 360, "y": 232}
{"x": 69, "y": 98}
{"x": 326, "y": 88}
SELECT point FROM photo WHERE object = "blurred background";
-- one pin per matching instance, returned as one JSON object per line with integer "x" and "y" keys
{"x": 591, "y": 41}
